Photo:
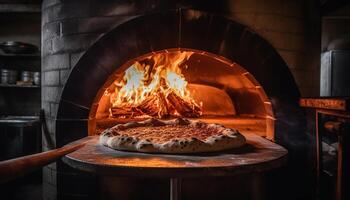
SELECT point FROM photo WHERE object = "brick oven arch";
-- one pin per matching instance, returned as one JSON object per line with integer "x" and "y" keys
{"x": 190, "y": 29}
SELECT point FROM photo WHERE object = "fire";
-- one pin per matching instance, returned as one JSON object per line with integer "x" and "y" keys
{"x": 154, "y": 87}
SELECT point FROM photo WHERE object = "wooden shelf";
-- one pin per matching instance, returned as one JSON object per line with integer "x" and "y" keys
{"x": 332, "y": 103}
{"x": 11, "y": 55}
{"x": 20, "y": 8}
{"x": 19, "y": 121}
{"x": 18, "y": 86}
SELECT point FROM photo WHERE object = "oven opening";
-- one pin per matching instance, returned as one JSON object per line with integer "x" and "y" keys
{"x": 183, "y": 83}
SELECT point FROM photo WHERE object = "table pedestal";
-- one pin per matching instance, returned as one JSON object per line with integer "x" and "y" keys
{"x": 175, "y": 188}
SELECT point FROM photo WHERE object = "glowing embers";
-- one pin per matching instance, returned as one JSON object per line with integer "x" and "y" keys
{"x": 155, "y": 87}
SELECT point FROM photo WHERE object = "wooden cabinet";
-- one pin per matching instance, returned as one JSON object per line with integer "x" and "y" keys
{"x": 333, "y": 146}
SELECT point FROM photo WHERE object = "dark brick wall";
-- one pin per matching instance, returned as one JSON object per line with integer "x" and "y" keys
{"x": 70, "y": 27}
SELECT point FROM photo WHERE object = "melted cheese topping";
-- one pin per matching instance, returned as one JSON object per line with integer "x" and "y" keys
{"x": 163, "y": 134}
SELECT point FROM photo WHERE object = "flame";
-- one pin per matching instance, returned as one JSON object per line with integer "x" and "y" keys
{"x": 149, "y": 85}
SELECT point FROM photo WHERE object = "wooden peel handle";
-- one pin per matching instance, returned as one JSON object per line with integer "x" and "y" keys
{"x": 14, "y": 168}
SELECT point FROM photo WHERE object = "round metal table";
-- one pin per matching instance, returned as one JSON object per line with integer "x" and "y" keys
{"x": 257, "y": 156}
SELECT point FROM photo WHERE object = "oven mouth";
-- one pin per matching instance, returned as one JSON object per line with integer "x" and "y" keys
{"x": 216, "y": 90}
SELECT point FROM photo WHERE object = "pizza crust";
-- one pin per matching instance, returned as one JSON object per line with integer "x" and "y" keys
{"x": 224, "y": 138}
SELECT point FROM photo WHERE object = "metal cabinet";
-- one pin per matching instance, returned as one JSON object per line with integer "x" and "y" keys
{"x": 335, "y": 73}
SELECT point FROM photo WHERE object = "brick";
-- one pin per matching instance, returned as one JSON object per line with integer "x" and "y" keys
{"x": 294, "y": 60}
{"x": 279, "y": 23}
{"x": 304, "y": 78}
{"x": 49, "y": 176}
{"x": 49, "y": 192}
{"x": 52, "y": 166}
{"x": 54, "y": 176}
{"x": 45, "y": 148}
{"x": 55, "y": 62}
{"x": 64, "y": 74}
{"x": 119, "y": 8}
{"x": 91, "y": 24}
{"x": 70, "y": 9}
{"x": 103, "y": 8}
{"x": 295, "y": 8}
{"x": 247, "y": 19}
{"x": 48, "y": 137}
{"x": 73, "y": 43}
{"x": 53, "y": 109}
{"x": 256, "y": 6}
{"x": 50, "y": 93}
{"x": 50, "y": 14}
{"x": 46, "y": 107}
{"x": 309, "y": 91}
{"x": 74, "y": 58}
{"x": 51, "y": 125}
{"x": 48, "y": 3}
{"x": 51, "y": 78}
{"x": 51, "y": 30}
{"x": 46, "y": 47}
{"x": 283, "y": 41}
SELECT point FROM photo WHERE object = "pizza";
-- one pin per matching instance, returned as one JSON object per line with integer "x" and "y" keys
{"x": 171, "y": 136}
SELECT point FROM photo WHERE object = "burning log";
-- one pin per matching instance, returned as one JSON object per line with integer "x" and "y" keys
{"x": 117, "y": 112}
{"x": 125, "y": 112}
{"x": 182, "y": 107}
{"x": 163, "y": 106}
{"x": 149, "y": 81}
{"x": 154, "y": 106}
{"x": 159, "y": 106}
{"x": 149, "y": 106}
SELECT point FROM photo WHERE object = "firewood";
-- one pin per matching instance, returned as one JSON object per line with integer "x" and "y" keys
{"x": 159, "y": 105}
{"x": 184, "y": 108}
{"x": 124, "y": 112}
{"x": 118, "y": 111}
{"x": 149, "y": 106}
{"x": 163, "y": 106}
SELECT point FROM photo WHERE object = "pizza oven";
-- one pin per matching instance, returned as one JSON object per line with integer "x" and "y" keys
{"x": 180, "y": 82}
{"x": 158, "y": 60}
{"x": 238, "y": 79}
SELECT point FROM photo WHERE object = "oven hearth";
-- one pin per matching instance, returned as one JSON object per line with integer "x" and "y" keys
{"x": 150, "y": 86}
